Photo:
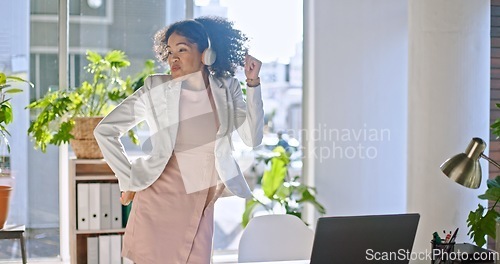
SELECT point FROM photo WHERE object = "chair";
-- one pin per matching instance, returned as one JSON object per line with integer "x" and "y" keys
{"x": 275, "y": 238}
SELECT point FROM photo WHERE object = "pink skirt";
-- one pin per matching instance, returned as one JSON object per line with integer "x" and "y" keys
{"x": 167, "y": 225}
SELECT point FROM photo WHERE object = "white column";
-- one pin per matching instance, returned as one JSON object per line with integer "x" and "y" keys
{"x": 355, "y": 79}
{"x": 308, "y": 112}
{"x": 64, "y": 210}
{"x": 449, "y": 54}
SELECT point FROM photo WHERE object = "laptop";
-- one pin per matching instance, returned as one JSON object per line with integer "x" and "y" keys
{"x": 364, "y": 239}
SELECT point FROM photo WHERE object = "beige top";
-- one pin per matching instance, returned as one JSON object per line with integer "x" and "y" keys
{"x": 194, "y": 147}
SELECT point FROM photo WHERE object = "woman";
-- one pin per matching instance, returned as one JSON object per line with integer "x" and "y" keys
{"x": 191, "y": 115}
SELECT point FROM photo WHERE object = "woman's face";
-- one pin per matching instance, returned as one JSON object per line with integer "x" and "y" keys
{"x": 183, "y": 56}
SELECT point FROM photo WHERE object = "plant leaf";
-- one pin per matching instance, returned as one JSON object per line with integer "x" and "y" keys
{"x": 492, "y": 194}
{"x": 133, "y": 136}
{"x": 493, "y": 182}
{"x": 480, "y": 226}
{"x": 117, "y": 59}
{"x": 274, "y": 177}
{"x": 495, "y": 127}
{"x": 6, "y": 115}
{"x": 64, "y": 133}
{"x": 14, "y": 90}
{"x": 307, "y": 196}
{"x": 249, "y": 206}
{"x": 283, "y": 191}
{"x": 18, "y": 79}
{"x": 93, "y": 57}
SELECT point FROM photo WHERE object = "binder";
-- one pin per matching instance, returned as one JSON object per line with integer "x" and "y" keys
{"x": 116, "y": 248}
{"x": 126, "y": 213}
{"x": 94, "y": 206}
{"x": 104, "y": 247}
{"x": 105, "y": 195}
{"x": 116, "y": 207}
{"x": 82, "y": 201}
{"x": 92, "y": 250}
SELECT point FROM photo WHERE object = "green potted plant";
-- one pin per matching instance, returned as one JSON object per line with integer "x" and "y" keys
{"x": 279, "y": 188}
{"x": 6, "y": 117}
{"x": 6, "y": 114}
{"x": 483, "y": 221}
{"x": 71, "y": 115}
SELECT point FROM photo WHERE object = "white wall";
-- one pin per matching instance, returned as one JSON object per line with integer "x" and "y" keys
{"x": 449, "y": 104}
{"x": 356, "y": 82}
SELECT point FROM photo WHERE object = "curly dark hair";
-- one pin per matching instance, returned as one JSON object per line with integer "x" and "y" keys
{"x": 227, "y": 42}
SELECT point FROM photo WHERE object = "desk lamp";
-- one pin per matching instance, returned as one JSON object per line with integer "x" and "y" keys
{"x": 464, "y": 168}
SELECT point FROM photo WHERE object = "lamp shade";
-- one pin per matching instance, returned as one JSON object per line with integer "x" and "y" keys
{"x": 464, "y": 168}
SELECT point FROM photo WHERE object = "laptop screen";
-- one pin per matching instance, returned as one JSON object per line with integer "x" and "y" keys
{"x": 364, "y": 239}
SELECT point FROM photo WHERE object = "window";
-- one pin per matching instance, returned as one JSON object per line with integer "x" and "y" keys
{"x": 275, "y": 32}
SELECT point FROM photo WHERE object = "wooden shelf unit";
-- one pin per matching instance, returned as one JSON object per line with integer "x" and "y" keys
{"x": 89, "y": 171}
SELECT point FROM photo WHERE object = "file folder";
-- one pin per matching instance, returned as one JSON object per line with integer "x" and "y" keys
{"x": 104, "y": 248}
{"x": 126, "y": 213}
{"x": 82, "y": 201}
{"x": 105, "y": 196}
{"x": 116, "y": 207}
{"x": 94, "y": 206}
{"x": 92, "y": 250}
{"x": 116, "y": 249}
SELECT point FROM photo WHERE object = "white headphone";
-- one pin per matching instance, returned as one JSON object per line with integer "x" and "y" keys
{"x": 208, "y": 56}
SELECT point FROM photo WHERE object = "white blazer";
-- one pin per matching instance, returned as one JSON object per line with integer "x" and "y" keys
{"x": 157, "y": 103}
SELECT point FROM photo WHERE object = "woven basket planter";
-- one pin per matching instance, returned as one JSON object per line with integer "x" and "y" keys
{"x": 84, "y": 144}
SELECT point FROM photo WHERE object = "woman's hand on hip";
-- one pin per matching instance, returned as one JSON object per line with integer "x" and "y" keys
{"x": 127, "y": 197}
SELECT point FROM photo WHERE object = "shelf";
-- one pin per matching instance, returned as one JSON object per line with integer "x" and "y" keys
{"x": 86, "y": 171}
{"x": 88, "y": 161}
{"x": 95, "y": 177}
{"x": 88, "y": 232}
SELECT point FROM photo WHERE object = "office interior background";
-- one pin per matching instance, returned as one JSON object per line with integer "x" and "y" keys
{"x": 378, "y": 92}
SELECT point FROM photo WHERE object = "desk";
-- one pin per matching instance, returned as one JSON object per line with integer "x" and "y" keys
{"x": 15, "y": 232}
